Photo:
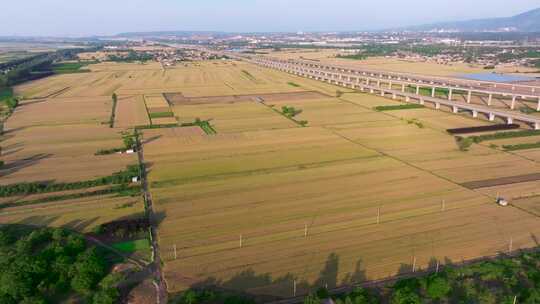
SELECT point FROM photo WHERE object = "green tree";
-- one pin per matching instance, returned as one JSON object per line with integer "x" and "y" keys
{"x": 406, "y": 292}
{"x": 87, "y": 271}
{"x": 437, "y": 288}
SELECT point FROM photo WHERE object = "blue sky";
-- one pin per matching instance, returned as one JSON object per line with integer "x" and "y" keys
{"x": 100, "y": 17}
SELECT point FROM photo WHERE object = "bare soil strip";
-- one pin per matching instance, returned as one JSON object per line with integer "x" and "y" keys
{"x": 180, "y": 99}
{"x": 502, "y": 181}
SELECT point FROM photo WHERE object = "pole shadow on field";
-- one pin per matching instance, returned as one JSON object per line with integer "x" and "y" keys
{"x": 263, "y": 287}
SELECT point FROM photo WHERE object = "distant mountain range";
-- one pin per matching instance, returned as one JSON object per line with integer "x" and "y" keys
{"x": 526, "y": 22}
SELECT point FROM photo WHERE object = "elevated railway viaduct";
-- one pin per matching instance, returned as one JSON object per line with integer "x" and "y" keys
{"x": 385, "y": 83}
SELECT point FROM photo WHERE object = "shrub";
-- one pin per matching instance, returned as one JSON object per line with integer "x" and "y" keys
{"x": 464, "y": 143}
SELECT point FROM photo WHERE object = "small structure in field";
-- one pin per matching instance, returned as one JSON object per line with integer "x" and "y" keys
{"x": 135, "y": 179}
{"x": 502, "y": 202}
{"x": 130, "y": 151}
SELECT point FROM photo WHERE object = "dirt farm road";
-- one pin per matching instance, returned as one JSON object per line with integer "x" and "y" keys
{"x": 159, "y": 281}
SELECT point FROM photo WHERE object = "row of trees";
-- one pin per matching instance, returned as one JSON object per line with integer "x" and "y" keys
{"x": 47, "y": 264}
{"x": 117, "y": 178}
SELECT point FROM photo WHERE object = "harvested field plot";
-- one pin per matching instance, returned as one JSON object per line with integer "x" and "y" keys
{"x": 156, "y": 101}
{"x": 264, "y": 188}
{"x": 329, "y": 111}
{"x": 267, "y": 195}
{"x": 265, "y": 201}
{"x": 79, "y": 214}
{"x": 237, "y": 117}
{"x": 531, "y": 204}
{"x": 60, "y": 153}
{"x": 131, "y": 112}
{"x": 61, "y": 111}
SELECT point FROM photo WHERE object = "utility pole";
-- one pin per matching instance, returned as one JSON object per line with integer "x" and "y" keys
{"x": 174, "y": 247}
{"x": 305, "y": 230}
{"x": 240, "y": 241}
{"x": 414, "y": 265}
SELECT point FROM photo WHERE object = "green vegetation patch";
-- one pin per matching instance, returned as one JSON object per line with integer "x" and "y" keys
{"x": 69, "y": 68}
{"x": 292, "y": 84}
{"x": 120, "y": 191}
{"x": 399, "y": 107}
{"x": 114, "y": 98}
{"x": 203, "y": 124}
{"x": 527, "y": 110}
{"x": 290, "y": 111}
{"x": 121, "y": 177}
{"x": 505, "y": 135}
{"x": 464, "y": 143}
{"x": 132, "y": 246}
{"x": 517, "y": 147}
{"x": 353, "y": 56}
{"x": 6, "y": 93}
{"x": 46, "y": 264}
{"x": 161, "y": 115}
{"x": 504, "y": 280}
{"x": 439, "y": 92}
{"x": 158, "y": 126}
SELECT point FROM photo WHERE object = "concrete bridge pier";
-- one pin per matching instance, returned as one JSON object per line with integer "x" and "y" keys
{"x": 490, "y": 99}
{"x": 509, "y": 120}
{"x": 475, "y": 114}
{"x": 450, "y": 94}
{"x": 371, "y": 91}
{"x": 469, "y": 96}
{"x": 537, "y": 125}
{"x": 417, "y": 90}
{"x": 455, "y": 109}
{"x": 382, "y": 93}
{"x": 513, "y": 104}
{"x": 403, "y": 88}
{"x": 432, "y": 91}
{"x": 491, "y": 117}
{"x": 407, "y": 98}
{"x": 538, "y": 106}
{"x": 437, "y": 105}
{"x": 422, "y": 101}
{"x": 394, "y": 96}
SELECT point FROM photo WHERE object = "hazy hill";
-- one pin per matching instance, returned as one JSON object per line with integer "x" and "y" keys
{"x": 526, "y": 22}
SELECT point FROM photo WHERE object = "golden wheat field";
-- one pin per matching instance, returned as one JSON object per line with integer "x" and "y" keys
{"x": 237, "y": 205}
{"x": 336, "y": 193}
